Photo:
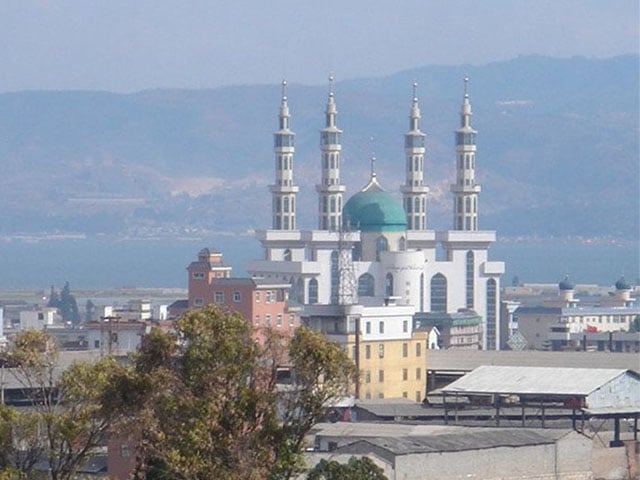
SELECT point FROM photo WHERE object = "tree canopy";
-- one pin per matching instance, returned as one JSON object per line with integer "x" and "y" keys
{"x": 361, "y": 468}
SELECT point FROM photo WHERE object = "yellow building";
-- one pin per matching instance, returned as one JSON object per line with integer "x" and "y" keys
{"x": 389, "y": 354}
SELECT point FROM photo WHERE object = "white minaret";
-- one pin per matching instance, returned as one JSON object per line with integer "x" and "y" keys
{"x": 330, "y": 190}
{"x": 414, "y": 191}
{"x": 465, "y": 191}
{"x": 284, "y": 191}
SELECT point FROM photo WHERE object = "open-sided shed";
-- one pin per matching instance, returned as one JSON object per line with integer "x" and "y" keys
{"x": 596, "y": 392}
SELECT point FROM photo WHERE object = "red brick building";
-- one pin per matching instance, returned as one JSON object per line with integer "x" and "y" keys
{"x": 263, "y": 302}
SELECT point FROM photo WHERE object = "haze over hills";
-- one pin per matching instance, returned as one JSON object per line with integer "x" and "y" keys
{"x": 558, "y": 150}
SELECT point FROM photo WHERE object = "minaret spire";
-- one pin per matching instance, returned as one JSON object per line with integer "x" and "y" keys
{"x": 284, "y": 191}
{"x": 466, "y": 190}
{"x": 330, "y": 190}
{"x": 414, "y": 191}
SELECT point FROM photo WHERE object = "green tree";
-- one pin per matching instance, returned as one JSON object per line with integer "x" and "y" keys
{"x": 68, "y": 305}
{"x": 54, "y": 298}
{"x": 634, "y": 326}
{"x": 89, "y": 309}
{"x": 70, "y": 410}
{"x": 206, "y": 404}
{"x": 361, "y": 468}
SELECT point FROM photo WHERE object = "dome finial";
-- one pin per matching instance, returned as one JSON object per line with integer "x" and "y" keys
{"x": 373, "y": 157}
{"x": 331, "y": 85}
{"x": 466, "y": 86}
{"x": 415, "y": 95}
{"x": 284, "y": 89}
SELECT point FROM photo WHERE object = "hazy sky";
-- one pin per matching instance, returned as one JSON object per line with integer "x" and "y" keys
{"x": 128, "y": 45}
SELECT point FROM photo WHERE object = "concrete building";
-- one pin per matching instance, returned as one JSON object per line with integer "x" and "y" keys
{"x": 551, "y": 325}
{"x": 438, "y": 452}
{"x": 460, "y": 330}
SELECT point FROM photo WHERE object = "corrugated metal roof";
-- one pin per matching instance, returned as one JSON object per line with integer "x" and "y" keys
{"x": 453, "y": 442}
{"x": 467, "y": 360}
{"x": 491, "y": 379}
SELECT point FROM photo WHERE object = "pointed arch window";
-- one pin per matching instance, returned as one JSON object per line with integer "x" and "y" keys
{"x": 402, "y": 244}
{"x": 381, "y": 246}
{"x": 287, "y": 255}
{"x": 388, "y": 285}
{"x": 438, "y": 293}
{"x": 313, "y": 291}
{"x": 366, "y": 285}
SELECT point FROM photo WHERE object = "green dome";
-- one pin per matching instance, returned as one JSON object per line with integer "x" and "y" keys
{"x": 566, "y": 284}
{"x": 374, "y": 210}
{"x": 622, "y": 284}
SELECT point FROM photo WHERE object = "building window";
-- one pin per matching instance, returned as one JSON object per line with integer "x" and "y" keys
{"x": 368, "y": 396}
{"x": 438, "y": 293}
{"x": 418, "y": 396}
{"x": 405, "y": 350}
{"x": 405, "y": 326}
{"x": 218, "y": 297}
{"x": 381, "y": 246}
{"x": 257, "y": 297}
{"x": 335, "y": 277}
{"x": 381, "y": 395}
{"x": 381, "y": 327}
{"x": 367, "y": 327}
{"x": 257, "y": 319}
{"x": 381, "y": 350}
{"x": 381, "y": 376}
{"x": 268, "y": 296}
{"x": 367, "y": 351}
{"x": 491, "y": 314}
{"x": 366, "y": 285}
{"x": 287, "y": 255}
{"x": 418, "y": 373}
{"x": 198, "y": 275}
{"x": 198, "y": 302}
{"x": 388, "y": 286}
{"x": 292, "y": 320}
{"x": 470, "y": 275}
{"x": 236, "y": 297}
{"x": 125, "y": 452}
{"x": 418, "y": 349}
{"x": 279, "y": 320}
{"x": 405, "y": 374}
{"x": 313, "y": 291}
{"x": 267, "y": 319}
{"x": 367, "y": 376}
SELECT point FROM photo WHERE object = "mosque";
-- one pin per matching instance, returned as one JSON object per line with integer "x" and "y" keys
{"x": 373, "y": 260}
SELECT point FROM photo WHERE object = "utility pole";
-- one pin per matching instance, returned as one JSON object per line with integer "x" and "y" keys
{"x": 109, "y": 321}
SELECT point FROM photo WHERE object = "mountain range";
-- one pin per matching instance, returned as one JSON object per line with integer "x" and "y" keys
{"x": 558, "y": 150}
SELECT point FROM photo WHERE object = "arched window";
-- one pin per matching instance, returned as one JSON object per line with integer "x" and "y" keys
{"x": 416, "y": 204}
{"x": 402, "y": 244}
{"x": 356, "y": 252}
{"x": 470, "y": 278}
{"x": 313, "y": 291}
{"x": 381, "y": 246}
{"x": 438, "y": 293}
{"x": 300, "y": 291}
{"x": 388, "y": 285}
{"x": 422, "y": 292}
{"x": 366, "y": 285}
{"x": 287, "y": 255}
{"x": 285, "y": 204}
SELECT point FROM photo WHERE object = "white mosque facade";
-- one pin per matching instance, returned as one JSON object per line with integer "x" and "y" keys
{"x": 374, "y": 250}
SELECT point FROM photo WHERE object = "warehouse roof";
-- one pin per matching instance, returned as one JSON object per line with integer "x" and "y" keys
{"x": 491, "y": 379}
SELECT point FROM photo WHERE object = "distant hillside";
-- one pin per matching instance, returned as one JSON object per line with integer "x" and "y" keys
{"x": 557, "y": 150}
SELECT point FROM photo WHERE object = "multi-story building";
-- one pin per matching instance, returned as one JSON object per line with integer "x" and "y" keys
{"x": 374, "y": 258}
{"x": 263, "y": 302}
{"x": 566, "y": 319}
